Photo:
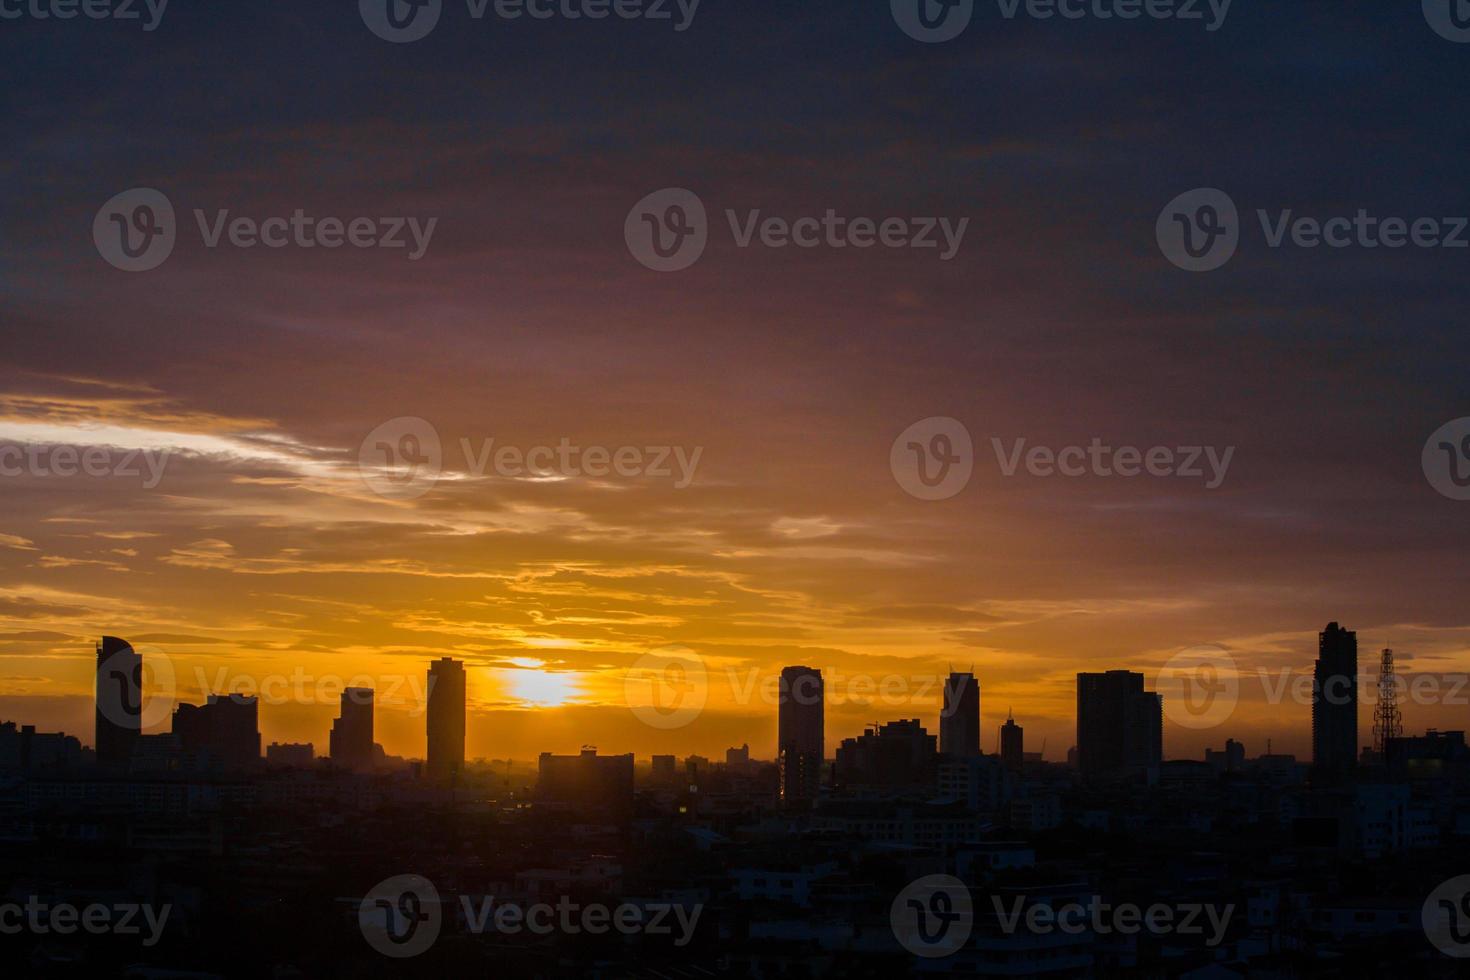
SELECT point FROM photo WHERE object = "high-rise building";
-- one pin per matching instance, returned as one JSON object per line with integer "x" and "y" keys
{"x": 664, "y": 771}
{"x": 446, "y": 719}
{"x": 959, "y": 724}
{"x": 1335, "y": 705}
{"x": 899, "y": 753}
{"x": 1012, "y": 744}
{"x": 800, "y": 734}
{"x": 351, "y": 741}
{"x": 119, "y": 702}
{"x": 226, "y": 729}
{"x": 1120, "y": 726}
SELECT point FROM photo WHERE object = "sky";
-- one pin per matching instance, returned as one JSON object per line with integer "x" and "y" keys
{"x": 264, "y": 549}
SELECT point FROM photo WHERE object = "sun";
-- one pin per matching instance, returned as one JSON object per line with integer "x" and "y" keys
{"x": 542, "y": 689}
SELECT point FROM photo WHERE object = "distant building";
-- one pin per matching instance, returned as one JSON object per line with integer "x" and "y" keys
{"x": 665, "y": 769}
{"x": 1012, "y": 744}
{"x": 119, "y": 702}
{"x": 1335, "y": 705}
{"x": 294, "y": 755}
{"x": 1434, "y": 755}
{"x": 800, "y": 734}
{"x": 1230, "y": 760}
{"x": 226, "y": 729}
{"x": 738, "y": 759}
{"x": 1120, "y": 726}
{"x": 894, "y": 755}
{"x": 23, "y": 749}
{"x": 597, "y": 784}
{"x": 959, "y": 724}
{"x": 979, "y": 782}
{"x": 446, "y": 720}
{"x": 351, "y": 741}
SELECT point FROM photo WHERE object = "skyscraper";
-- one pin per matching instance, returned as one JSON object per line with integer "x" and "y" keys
{"x": 959, "y": 724}
{"x": 1012, "y": 744}
{"x": 800, "y": 732}
{"x": 1120, "y": 726}
{"x": 351, "y": 741}
{"x": 446, "y": 719}
{"x": 1335, "y": 705}
{"x": 118, "y": 701}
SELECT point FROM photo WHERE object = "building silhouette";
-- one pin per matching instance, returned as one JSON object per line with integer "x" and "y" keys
{"x": 899, "y": 753}
{"x": 959, "y": 724}
{"x": 446, "y": 719}
{"x": 594, "y": 783}
{"x": 1120, "y": 726}
{"x": 227, "y": 728}
{"x": 351, "y": 741}
{"x": 800, "y": 734}
{"x": 1335, "y": 705}
{"x": 299, "y": 755}
{"x": 118, "y": 702}
{"x": 1012, "y": 744}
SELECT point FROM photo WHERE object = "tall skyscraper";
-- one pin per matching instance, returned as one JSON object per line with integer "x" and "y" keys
{"x": 446, "y": 719}
{"x": 800, "y": 733}
{"x": 959, "y": 724}
{"x": 351, "y": 740}
{"x": 1012, "y": 744}
{"x": 1120, "y": 726}
{"x": 118, "y": 702}
{"x": 1335, "y": 705}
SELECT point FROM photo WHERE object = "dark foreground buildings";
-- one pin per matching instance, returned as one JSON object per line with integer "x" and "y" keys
{"x": 1120, "y": 727}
